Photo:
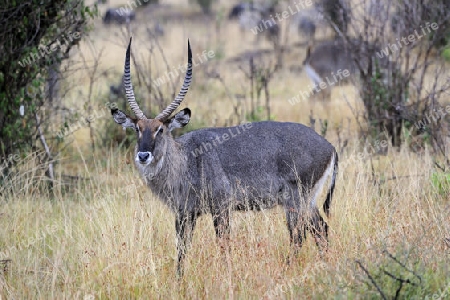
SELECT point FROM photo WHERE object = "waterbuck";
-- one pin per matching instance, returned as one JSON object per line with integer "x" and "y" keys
{"x": 337, "y": 62}
{"x": 217, "y": 170}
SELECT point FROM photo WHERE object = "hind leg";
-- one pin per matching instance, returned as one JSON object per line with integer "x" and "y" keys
{"x": 295, "y": 221}
{"x": 319, "y": 229}
{"x": 221, "y": 221}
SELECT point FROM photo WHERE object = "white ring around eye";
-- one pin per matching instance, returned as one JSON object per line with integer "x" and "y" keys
{"x": 157, "y": 131}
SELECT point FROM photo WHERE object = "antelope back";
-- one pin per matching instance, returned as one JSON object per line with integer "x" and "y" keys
{"x": 328, "y": 57}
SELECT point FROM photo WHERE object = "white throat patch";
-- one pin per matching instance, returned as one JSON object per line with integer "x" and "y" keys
{"x": 151, "y": 172}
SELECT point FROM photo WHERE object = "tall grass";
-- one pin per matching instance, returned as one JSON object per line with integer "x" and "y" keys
{"x": 107, "y": 237}
{"x": 110, "y": 238}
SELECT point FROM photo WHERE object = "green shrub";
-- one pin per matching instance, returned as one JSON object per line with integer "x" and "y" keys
{"x": 441, "y": 182}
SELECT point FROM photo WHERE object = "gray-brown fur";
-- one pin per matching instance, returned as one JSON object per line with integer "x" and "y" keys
{"x": 166, "y": 181}
{"x": 252, "y": 166}
{"x": 324, "y": 60}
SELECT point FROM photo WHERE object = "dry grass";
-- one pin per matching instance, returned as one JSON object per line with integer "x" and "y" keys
{"x": 110, "y": 238}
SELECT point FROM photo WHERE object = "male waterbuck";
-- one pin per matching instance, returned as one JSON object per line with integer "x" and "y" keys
{"x": 217, "y": 170}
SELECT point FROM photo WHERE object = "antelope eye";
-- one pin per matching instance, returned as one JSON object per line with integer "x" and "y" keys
{"x": 158, "y": 131}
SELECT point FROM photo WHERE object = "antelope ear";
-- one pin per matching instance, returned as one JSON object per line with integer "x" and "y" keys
{"x": 123, "y": 119}
{"x": 180, "y": 120}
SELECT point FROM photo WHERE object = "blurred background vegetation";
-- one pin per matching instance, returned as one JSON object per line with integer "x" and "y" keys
{"x": 61, "y": 70}
{"x": 43, "y": 65}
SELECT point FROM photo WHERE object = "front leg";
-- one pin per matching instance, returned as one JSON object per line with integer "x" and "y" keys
{"x": 221, "y": 220}
{"x": 292, "y": 202}
{"x": 184, "y": 225}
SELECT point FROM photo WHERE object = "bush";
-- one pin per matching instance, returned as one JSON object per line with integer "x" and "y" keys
{"x": 36, "y": 36}
{"x": 206, "y": 5}
{"x": 394, "y": 96}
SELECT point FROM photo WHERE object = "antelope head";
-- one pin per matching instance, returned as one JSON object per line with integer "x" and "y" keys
{"x": 152, "y": 134}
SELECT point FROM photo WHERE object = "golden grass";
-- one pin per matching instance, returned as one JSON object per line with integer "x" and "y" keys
{"x": 109, "y": 238}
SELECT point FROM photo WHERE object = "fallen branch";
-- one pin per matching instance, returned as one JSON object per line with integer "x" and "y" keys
{"x": 371, "y": 279}
{"x": 46, "y": 147}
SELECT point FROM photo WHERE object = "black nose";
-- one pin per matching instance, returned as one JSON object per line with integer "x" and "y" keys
{"x": 143, "y": 156}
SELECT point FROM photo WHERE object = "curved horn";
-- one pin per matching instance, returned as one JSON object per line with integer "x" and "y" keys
{"x": 129, "y": 87}
{"x": 184, "y": 89}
